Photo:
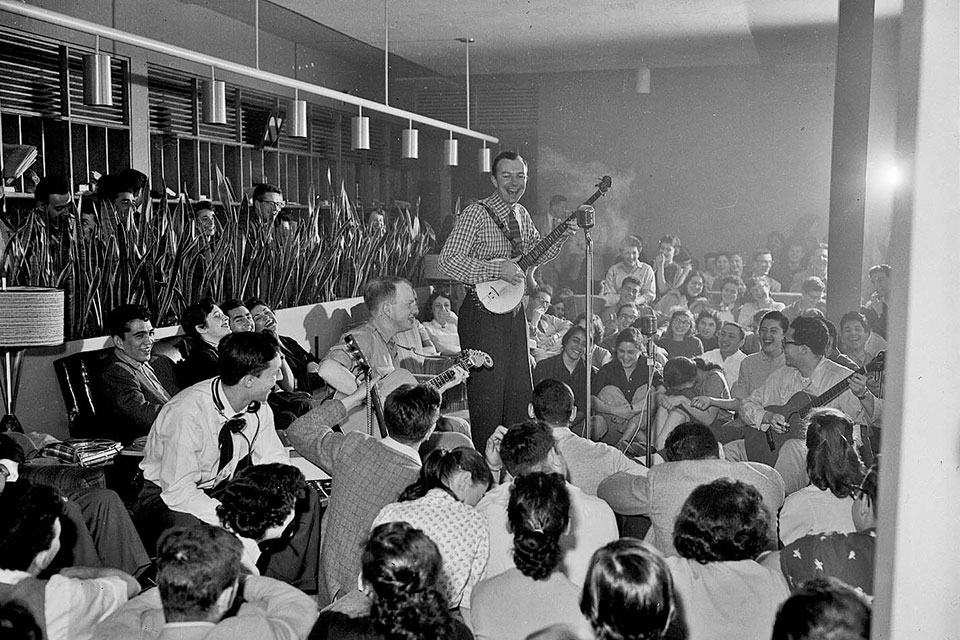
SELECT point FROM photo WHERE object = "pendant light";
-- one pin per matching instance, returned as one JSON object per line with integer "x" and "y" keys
{"x": 410, "y": 143}
{"x": 97, "y": 85}
{"x": 214, "y": 100}
{"x": 297, "y": 116}
{"x": 485, "y": 160}
{"x": 360, "y": 131}
{"x": 450, "y": 151}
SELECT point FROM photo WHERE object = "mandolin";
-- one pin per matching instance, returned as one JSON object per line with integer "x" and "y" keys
{"x": 764, "y": 446}
{"x": 499, "y": 296}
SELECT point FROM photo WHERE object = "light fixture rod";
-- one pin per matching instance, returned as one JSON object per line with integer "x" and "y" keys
{"x": 256, "y": 31}
{"x": 386, "y": 54}
{"x": 468, "y": 83}
{"x": 85, "y": 26}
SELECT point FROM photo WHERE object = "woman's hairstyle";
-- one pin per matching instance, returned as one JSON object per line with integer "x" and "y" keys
{"x": 538, "y": 514}
{"x": 597, "y": 326}
{"x": 709, "y": 313}
{"x": 443, "y": 463}
{"x": 823, "y": 609}
{"x": 571, "y": 332}
{"x": 731, "y": 279}
{"x": 679, "y": 370}
{"x": 402, "y": 566}
{"x": 260, "y": 497}
{"x": 628, "y": 593}
{"x": 761, "y": 280}
{"x": 681, "y": 313}
{"x": 630, "y": 334}
{"x": 722, "y": 521}
{"x": 683, "y": 287}
{"x": 832, "y": 462}
{"x": 427, "y": 313}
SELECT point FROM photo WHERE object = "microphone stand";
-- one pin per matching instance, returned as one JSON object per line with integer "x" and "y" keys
{"x": 586, "y": 220}
{"x": 651, "y": 363}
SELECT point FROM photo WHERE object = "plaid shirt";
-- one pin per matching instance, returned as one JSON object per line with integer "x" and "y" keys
{"x": 476, "y": 241}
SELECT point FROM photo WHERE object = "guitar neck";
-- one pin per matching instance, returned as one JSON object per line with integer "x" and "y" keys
{"x": 546, "y": 243}
{"x": 438, "y": 381}
{"x": 833, "y": 392}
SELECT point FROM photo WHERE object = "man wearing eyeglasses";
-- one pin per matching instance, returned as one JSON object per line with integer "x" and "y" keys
{"x": 808, "y": 370}
{"x": 267, "y": 203}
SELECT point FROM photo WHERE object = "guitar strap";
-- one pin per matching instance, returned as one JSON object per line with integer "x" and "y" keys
{"x": 513, "y": 239}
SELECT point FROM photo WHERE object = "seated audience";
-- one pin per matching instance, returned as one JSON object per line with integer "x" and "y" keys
{"x": 791, "y": 263}
{"x": 728, "y": 354}
{"x": 441, "y": 324}
{"x": 629, "y": 266}
{"x": 736, "y": 264}
{"x": 629, "y": 593}
{"x": 442, "y": 504}
{"x": 693, "y": 459}
{"x": 588, "y": 462}
{"x": 708, "y": 324}
{"x": 208, "y": 433}
{"x": 834, "y": 469}
{"x": 368, "y": 473}
{"x": 134, "y": 383}
{"x": 812, "y": 292}
{"x": 67, "y": 605}
{"x": 760, "y": 300}
{"x": 204, "y": 325}
{"x": 527, "y": 448}
{"x": 730, "y": 287}
{"x": 630, "y": 294}
{"x": 669, "y": 270}
{"x": 685, "y": 379}
{"x": 535, "y": 593}
{"x": 833, "y": 353}
{"x": 301, "y": 367}
{"x": 545, "y": 330}
{"x": 875, "y": 309}
{"x": 620, "y": 390}
{"x": 723, "y": 269}
{"x": 817, "y": 266}
{"x": 601, "y": 355}
{"x": 847, "y": 556}
{"x": 762, "y": 263}
{"x": 690, "y": 289}
{"x": 679, "y": 339}
{"x": 400, "y": 571}
{"x": 202, "y": 594}
{"x": 259, "y": 505}
{"x": 857, "y": 340}
{"x": 721, "y": 531}
{"x": 570, "y": 367}
{"x": 820, "y": 609}
{"x": 240, "y": 317}
{"x": 626, "y": 314}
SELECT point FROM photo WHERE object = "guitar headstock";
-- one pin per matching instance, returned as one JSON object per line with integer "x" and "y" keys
{"x": 474, "y": 359}
{"x": 604, "y": 185}
{"x": 354, "y": 350}
{"x": 877, "y": 364}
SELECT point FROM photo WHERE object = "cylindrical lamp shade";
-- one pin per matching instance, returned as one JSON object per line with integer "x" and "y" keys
{"x": 30, "y": 317}
{"x": 214, "y": 102}
{"x": 643, "y": 80}
{"x": 485, "y": 159}
{"x": 360, "y": 132}
{"x": 298, "y": 118}
{"x": 451, "y": 151}
{"x": 410, "y": 144}
{"x": 97, "y": 80}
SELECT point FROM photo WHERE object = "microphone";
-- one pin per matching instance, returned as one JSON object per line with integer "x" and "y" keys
{"x": 586, "y": 217}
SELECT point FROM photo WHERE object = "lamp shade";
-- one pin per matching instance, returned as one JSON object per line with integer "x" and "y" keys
{"x": 298, "y": 118}
{"x": 214, "y": 102}
{"x": 360, "y": 132}
{"x": 97, "y": 80}
{"x": 485, "y": 160}
{"x": 451, "y": 151}
{"x": 410, "y": 143}
{"x": 643, "y": 80}
{"x": 30, "y": 317}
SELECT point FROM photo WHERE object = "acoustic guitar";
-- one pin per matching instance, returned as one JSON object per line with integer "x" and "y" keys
{"x": 357, "y": 420}
{"x": 376, "y": 403}
{"x": 499, "y": 296}
{"x": 764, "y": 446}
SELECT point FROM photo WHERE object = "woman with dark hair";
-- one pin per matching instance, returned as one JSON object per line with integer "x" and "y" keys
{"x": 731, "y": 289}
{"x": 680, "y": 338}
{"x": 823, "y": 608}
{"x": 400, "y": 577}
{"x": 721, "y": 531}
{"x": 601, "y": 355}
{"x": 628, "y": 592}
{"x": 690, "y": 289}
{"x": 569, "y": 367}
{"x": 535, "y": 594}
{"x": 834, "y": 469}
{"x": 441, "y": 503}
{"x": 685, "y": 379}
{"x": 441, "y": 324}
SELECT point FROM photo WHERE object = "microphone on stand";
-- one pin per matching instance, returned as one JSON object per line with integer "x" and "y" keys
{"x": 586, "y": 217}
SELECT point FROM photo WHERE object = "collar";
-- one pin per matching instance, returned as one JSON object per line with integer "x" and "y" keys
{"x": 123, "y": 357}
{"x": 820, "y": 365}
{"x": 391, "y": 344}
{"x": 779, "y": 356}
{"x": 498, "y": 205}
{"x": 405, "y": 449}
{"x": 12, "y": 576}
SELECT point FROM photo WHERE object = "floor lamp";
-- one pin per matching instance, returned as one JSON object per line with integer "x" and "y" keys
{"x": 29, "y": 317}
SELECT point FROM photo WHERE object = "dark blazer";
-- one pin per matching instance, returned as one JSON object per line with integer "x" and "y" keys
{"x": 298, "y": 358}
{"x": 127, "y": 409}
{"x": 202, "y": 363}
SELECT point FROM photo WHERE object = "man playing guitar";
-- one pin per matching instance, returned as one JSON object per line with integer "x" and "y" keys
{"x": 486, "y": 233}
{"x": 806, "y": 370}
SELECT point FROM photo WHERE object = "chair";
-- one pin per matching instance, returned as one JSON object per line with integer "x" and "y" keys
{"x": 77, "y": 375}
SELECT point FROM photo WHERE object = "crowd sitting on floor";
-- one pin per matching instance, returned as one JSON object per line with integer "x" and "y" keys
{"x": 752, "y": 525}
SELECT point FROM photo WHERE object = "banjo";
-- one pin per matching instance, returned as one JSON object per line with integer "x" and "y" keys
{"x": 499, "y": 296}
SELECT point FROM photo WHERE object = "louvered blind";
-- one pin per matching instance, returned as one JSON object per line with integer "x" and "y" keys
{"x": 493, "y": 107}
{"x": 170, "y": 95}
{"x": 29, "y": 75}
{"x": 324, "y": 131}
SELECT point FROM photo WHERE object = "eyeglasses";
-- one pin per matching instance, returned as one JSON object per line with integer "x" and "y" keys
{"x": 276, "y": 204}
{"x": 794, "y": 343}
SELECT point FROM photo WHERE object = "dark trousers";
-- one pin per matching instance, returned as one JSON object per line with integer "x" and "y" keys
{"x": 499, "y": 395}
{"x": 297, "y": 562}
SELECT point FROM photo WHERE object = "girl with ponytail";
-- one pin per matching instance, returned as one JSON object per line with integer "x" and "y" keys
{"x": 834, "y": 468}
{"x": 400, "y": 572}
{"x": 535, "y": 594}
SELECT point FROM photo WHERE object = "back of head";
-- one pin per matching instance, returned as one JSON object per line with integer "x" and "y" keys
{"x": 411, "y": 412}
{"x": 27, "y": 524}
{"x": 691, "y": 441}
{"x": 440, "y": 466}
{"x": 259, "y": 498}
{"x": 832, "y": 462}
{"x": 678, "y": 371}
{"x": 245, "y": 353}
{"x": 722, "y": 521}
{"x": 811, "y": 332}
{"x": 195, "y": 566}
{"x": 628, "y": 593}
{"x": 525, "y": 447}
{"x": 119, "y": 318}
{"x": 135, "y": 179}
{"x": 50, "y": 185}
{"x": 402, "y": 566}
{"x": 823, "y": 609}
{"x": 538, "y": 514}
{"x": 553, "y": 400}
{"x": 196, "y": 315}
{"x": 380, "y": 290}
